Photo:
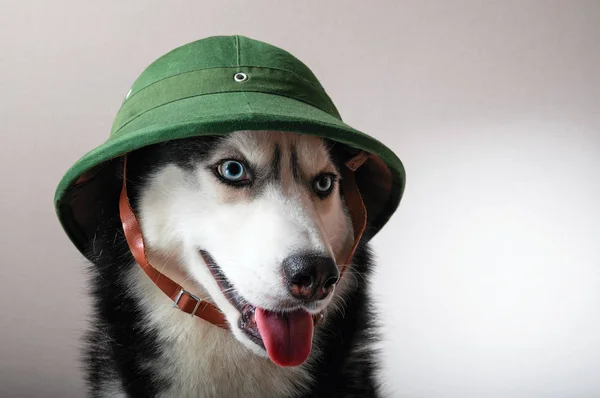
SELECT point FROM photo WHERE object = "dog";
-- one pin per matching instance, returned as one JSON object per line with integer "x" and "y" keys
{"x": 251, "y": 218}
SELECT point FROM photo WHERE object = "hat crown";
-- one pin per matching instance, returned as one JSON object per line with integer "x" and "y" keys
{"x": 222, "y": 52}
{"x": 220, "y": 65}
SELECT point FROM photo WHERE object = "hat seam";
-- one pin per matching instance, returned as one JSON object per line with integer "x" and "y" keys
{"x": 237, "y": 49}
{"x": 222, "y": 92}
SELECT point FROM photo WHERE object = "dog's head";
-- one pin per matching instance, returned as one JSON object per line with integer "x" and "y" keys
{"x": 258, "y": 220}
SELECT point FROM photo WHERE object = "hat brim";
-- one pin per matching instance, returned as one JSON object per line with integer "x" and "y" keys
{"x": 221, "y": 114}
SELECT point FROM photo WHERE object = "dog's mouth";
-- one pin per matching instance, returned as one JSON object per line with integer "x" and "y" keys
{"x": 286, "y": 336}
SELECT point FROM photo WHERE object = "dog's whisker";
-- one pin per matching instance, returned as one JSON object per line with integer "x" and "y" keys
{"x": 353, "y": 276}
{"x": 355, "y": 273}
{"x": 341, "y": 306}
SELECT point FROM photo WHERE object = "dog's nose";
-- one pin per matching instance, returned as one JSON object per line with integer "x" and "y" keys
{"x": 310, "y": 277}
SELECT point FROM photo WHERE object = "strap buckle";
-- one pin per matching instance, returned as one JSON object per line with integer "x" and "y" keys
{"x": 178, "y": 298}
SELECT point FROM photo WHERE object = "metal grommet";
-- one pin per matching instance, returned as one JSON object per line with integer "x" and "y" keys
{"x": 240, "y": 77}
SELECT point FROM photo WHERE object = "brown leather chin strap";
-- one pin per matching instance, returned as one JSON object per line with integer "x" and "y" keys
{"x": 354, "y": 202}
{"x": 191, "y": 304}
{"x": 184, "y": 300}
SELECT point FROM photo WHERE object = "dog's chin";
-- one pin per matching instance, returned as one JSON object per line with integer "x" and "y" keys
{"x": 242, "y": 316}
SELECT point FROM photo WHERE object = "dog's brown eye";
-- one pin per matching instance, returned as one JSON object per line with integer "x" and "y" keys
{"x": 323, "y": 184}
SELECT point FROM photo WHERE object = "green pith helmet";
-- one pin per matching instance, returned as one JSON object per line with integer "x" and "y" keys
{"x": 216, "y": 86}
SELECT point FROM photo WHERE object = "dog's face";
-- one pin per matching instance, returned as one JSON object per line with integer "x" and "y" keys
{"x": 258, "y": 220}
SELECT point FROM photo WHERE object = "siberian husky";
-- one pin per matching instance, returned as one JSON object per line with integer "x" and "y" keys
{"x": 254, "y": 217}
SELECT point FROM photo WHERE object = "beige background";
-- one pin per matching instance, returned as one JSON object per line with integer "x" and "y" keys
{"x": 489, "y": 274}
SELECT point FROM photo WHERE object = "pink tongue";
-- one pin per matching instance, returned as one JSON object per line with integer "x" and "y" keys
{"x": 287, "y": 338}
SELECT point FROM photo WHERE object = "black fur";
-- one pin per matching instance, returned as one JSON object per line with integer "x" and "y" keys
{"x": 117, "y": 344}
{"x": 276, "y": 164}
{"x": 294, "y": 163}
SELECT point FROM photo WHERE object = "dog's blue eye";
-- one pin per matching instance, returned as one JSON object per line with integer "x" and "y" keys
{"x": 232, "y": 170}
{"x": 323, "y": 184}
